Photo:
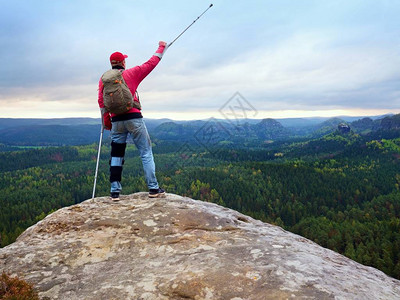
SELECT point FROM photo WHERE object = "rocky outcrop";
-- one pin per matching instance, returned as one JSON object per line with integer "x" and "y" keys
{"x": 179, "y": 248}
{"x": 343, "y": 128}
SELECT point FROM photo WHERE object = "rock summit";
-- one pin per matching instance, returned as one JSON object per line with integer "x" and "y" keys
{"x": 180, "y": 248}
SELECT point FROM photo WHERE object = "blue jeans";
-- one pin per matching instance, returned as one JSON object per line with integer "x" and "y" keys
{"x": 141, "y": 138}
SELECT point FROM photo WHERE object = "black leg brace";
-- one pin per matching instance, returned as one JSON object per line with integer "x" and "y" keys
{"x": 116, "y": 161}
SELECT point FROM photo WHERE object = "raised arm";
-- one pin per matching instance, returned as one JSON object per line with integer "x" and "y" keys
{"x": 138, "y": 73}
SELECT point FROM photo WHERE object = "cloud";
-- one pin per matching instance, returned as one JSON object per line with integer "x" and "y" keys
{"x": 304, "y": 70}
{"x": 284, "y": 55}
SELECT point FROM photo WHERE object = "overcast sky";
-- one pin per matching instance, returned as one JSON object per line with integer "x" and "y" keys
{"x": 286, "y": 58}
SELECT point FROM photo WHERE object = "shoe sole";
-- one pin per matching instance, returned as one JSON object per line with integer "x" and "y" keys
{"x": 159, "y": 195}
{"x": 115, "y": 199}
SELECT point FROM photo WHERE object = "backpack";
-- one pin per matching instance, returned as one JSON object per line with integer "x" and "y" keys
{"x": 116, "y": 94}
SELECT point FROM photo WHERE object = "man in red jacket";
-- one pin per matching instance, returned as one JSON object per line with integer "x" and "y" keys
{"x": 131, "y": 122}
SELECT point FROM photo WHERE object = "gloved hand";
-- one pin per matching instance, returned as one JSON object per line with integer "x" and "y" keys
{"x": 106, "y": 119}
{"x": 162, "y": 47}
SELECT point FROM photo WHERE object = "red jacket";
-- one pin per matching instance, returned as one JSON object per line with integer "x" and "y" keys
{"x": 133, "y": 77}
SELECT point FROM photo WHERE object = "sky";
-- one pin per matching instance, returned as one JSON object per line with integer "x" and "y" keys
{"x": 255, "y": 59}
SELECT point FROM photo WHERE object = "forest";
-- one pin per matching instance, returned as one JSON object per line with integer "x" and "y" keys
{"x": 341, "y": 190}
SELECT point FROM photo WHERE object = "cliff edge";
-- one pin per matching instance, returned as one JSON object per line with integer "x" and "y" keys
{"x": 180, "y": 248}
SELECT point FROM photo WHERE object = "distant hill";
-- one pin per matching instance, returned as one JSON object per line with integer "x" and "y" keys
{"x": 78, "y": 131}
{"x": 300, "y": 122}
{"x": 327, "y": 127}
{"x": 169, "y": 130}
{"x": 270, "y": 129}
{"x": 153, "y": 123}
{"x": 11, "y": 122}
{"x": 15, "y": 122}
{"x": 50, "y": 135}
{"x": 391, "y": 122}
{"x": 380, "y": 125}
{"x": 219, "y": 131}
{"x": 363, "y": 125}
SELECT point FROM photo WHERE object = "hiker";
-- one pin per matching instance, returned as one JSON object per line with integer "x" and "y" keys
{"x": 131, "y": 122}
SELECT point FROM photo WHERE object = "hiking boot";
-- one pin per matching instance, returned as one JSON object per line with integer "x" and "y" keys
{"x": 115, "y": 196}
{"x": 156, "y": 193}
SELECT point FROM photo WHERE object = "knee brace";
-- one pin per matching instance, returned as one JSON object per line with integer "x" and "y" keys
{"x": 116, "y": 161}
{"x": 117, "y": 149}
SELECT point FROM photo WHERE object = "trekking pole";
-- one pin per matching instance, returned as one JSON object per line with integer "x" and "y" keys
{"x": 98, "y": 158}
{"x": 169, "y": 45}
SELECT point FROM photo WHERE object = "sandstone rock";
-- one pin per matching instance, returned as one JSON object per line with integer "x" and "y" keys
{"x": 179, "y": 248}
{"x": 343, "y": 128}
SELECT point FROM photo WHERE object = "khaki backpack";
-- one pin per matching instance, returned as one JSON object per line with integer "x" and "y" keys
{"x": 116, "y": 94}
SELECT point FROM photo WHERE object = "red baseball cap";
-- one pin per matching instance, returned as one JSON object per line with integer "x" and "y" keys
{"x": 117, "y": 57}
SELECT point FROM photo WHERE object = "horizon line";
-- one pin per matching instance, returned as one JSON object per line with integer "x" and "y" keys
{"x": 198, "y": 119}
